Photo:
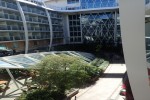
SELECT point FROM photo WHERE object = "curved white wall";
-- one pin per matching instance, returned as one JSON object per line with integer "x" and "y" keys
{"x": 132, "y": 18}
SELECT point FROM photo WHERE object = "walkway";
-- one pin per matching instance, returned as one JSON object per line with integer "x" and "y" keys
{"x": 107, "y": 87}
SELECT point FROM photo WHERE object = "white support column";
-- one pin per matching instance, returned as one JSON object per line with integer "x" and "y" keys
{"x": 8, "y": 71}
{"x": 50, "y": 26}
{"x": 132, "y": 18}
{"x": 51, "y": 29}
{"x": 25, "y": 27}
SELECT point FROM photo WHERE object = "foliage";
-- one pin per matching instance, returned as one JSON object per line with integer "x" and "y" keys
{"x": 16, "y": 72}
{"x": 97, "y": 62}
{"x": 42, "y": 94}
{"x": 98, "y": 48}
{"x": 104, "y": 65}
{"x": 63, "y": 72}
{"x": 57, "y": 73}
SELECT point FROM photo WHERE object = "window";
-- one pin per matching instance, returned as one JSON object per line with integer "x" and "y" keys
{"x": 72, "y": 1}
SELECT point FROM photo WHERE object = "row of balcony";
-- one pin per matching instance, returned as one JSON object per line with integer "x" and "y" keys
{"x": 2, "y": 27}
{"x": 56, "y": 15}
{"x": 21, "y": 28}
{"x": 56, "y": 22}
{"x": 36, "y": 20}
{"x": 11, "y": 38}
{"x": 59, "y": 29}
{"x": 39, "y": 37}
{"x": 16, "y": 38}
{"x": 38, "y": 29}
{"x": 60, "y": 35}
{"x": 8, "y": 5}
{"x": 33, "y": 10}
{"x": 10, "y": 16}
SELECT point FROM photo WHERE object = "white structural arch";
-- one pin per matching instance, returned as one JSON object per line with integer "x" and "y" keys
{"x": 132, "y": 18}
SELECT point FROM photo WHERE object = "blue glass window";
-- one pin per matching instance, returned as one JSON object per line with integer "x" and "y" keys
{"x": 97, "y": 3}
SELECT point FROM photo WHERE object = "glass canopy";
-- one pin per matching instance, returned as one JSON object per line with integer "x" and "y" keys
{"x": 27, "y": 60}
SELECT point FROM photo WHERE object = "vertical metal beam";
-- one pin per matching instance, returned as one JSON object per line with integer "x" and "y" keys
{"x": 12, "y": 77}
{"x": 68, "y": 28}
{"x": 115, "y": 26}
{"x": 132, "y": 18}
{"x": 81, "y": 28}
{"x": 25, "y": 27}
{"x": 51, "y": 29}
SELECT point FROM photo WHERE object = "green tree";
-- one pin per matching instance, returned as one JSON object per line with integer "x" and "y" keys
{"x": 61, "y": 72}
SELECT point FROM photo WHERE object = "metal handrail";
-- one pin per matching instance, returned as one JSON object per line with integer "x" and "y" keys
{"x": 10, "y": 16}
{"x": 87, "y": 6}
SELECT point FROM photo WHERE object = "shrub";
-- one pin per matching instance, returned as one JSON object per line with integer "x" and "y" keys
{"x": 42, "y": 94}
{"x": 104, "y": 65}
{"x": 97, "y": 62}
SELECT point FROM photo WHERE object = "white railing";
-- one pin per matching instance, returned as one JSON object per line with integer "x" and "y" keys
{"x": 86, "y": 6}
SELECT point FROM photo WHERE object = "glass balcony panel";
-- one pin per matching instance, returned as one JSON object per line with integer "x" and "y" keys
{"x": 38, "y": 37}
{"x": 12, "y": 17}
{"x": 17, "y": 38}
{"x": 30, "y": 37}
{"x": 6, "y": 16}
{"x": 15, "y": 28}
{"x": 11, "y": 38}
{"x": 3, "y": 27}
{"x": 37, "y": 28}
{"x": 21, "y": 28}
{"x": 2, "y": 15}
{"x": 29, "y": 28}
{"x": 3, "y": 4}
{"x": 34, "y": 20}
{"x": 30, "y": 19}
{"x": 6, "y": 39}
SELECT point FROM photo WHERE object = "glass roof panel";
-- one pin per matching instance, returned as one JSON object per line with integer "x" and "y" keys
{"x": 25, "y": 65}
{"x": 47, "y": 53}
{"x": 7, "y": 65}
{"x": 36, "y": 56}
{"x": 20, "y": 59}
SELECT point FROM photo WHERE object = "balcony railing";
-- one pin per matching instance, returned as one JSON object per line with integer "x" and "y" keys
{"x": 31, "y": 10}
{"x": 57, "y": 29}
{"x": 39, "y": 37}
{"x": 11, "y": 38}
{"x": 58, "y": 35}
{"x": 40, "y": 29}
{"x": 87, "y": 6}
{"x": 2, "y": 27}
{"x": 56, "y": 15}
{"x": 9, "y": 16}
{"x": 35, "y": 1}
{"x": 8, "y": 5}
{"x": 36, "y": 20}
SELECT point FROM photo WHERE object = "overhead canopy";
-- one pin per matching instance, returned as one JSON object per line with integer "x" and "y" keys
{"x": 27, "y": 60}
